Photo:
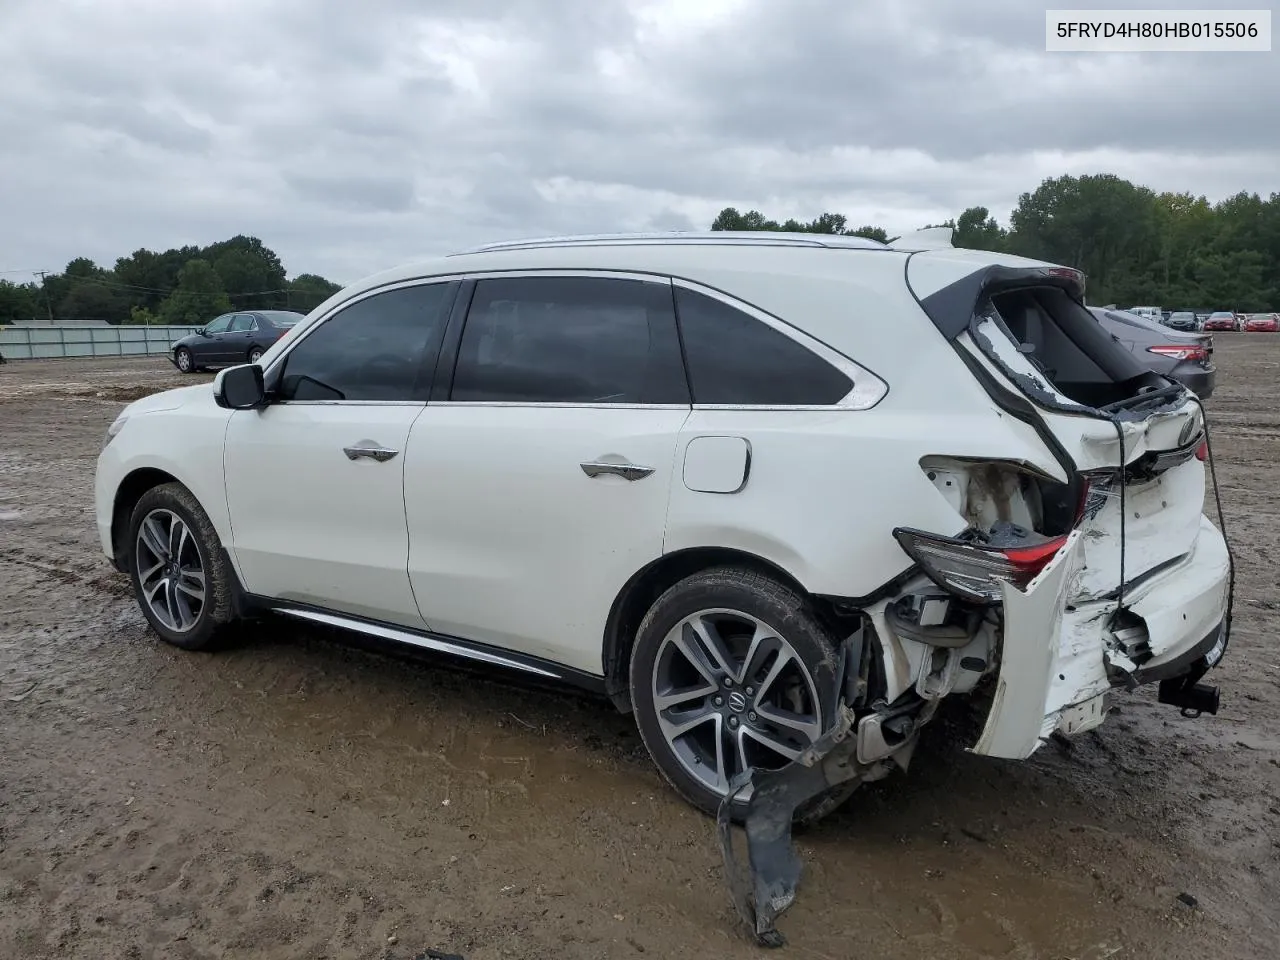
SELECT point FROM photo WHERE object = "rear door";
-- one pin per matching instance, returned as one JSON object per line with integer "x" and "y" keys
{"x": 538, "y": 484}
{"x": 239, "y": 338}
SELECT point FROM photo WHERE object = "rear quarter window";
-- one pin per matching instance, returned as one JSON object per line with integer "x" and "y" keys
{"x": 736, "y": 360}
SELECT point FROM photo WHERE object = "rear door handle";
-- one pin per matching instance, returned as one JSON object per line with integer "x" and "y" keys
{"x": 628, "y": 471}
{"x": 369, "y": 452}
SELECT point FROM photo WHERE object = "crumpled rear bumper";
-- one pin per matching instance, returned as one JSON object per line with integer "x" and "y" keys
{"x": 1059, "y": 658}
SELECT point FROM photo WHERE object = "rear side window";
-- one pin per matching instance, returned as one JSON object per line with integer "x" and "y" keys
{"x": 575, "y": 340}
{"x": 735, "y": 359}
{"x": 383, "y": 347}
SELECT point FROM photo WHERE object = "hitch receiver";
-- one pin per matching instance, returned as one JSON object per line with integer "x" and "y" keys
{"x": 1189, "y": 694}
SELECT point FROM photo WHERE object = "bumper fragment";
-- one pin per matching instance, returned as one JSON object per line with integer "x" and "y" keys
{"x": 770, "y": 888}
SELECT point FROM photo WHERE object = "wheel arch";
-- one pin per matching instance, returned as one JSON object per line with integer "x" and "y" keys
{"x": 650, "y": 582}
{"x": 128, "y": 493}
{"x": 132, "y": 488}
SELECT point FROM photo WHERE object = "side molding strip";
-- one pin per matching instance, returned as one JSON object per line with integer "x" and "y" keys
{"x": 424, "y": 640}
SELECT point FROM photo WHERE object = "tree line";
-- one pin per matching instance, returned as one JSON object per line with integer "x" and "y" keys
{"x": 185, "y": 285}
{"x": 1134, "y": 245}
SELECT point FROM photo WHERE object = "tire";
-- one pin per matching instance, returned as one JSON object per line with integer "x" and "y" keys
{"x": 731, "y": 601}
{"x": 185, "y": 361}
{"x": 255, "y": 354}
{"x": 208, "y": 617}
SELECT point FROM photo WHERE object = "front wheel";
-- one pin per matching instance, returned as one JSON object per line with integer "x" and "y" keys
{"x": 180, "y": 575}
{"x": 255, "y": 354}
{"x": 732, "y": 669}
{"x": 182, "y": 357}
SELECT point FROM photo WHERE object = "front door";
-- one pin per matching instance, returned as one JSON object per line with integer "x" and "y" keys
{"x": 315, "y": 481}
{"x": 540, "y": 486}
{"x": 211, "y": 348}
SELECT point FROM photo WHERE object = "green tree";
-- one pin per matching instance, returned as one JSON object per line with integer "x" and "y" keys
{"x": 19, "y": 302}
{"x": 976, "y": 229}
{"x": 307, "y": 291}
{"x": 198, "y": 298}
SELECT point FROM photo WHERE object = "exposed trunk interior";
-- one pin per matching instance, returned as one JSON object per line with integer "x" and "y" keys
{"x": 1062, "y": 340}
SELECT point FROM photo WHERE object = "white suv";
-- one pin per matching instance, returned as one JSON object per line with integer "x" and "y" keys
{"x": 756, "y": 488}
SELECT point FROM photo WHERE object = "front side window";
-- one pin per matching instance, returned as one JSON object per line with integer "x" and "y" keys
{"x": 380, "y": 348}
{"x": 735, "y": 359}
{"x": 577, "y": 340}
{"x": 220, "y": 325}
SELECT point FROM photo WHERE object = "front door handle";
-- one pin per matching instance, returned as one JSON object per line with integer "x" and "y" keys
{"x": 628, "y": 471}
{"x": 370, "y": 452}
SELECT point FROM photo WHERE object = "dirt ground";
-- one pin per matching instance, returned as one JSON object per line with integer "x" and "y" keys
{"x": 295, "y": 796}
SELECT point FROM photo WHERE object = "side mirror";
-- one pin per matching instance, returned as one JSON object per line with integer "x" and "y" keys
{"x": 199, "y": 331}
{"x": 240, "y": 388}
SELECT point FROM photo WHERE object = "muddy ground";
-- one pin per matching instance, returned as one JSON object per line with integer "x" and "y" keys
{"x": 297, "y": 797}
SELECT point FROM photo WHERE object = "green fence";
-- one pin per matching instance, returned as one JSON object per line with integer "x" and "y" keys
{"x": 52, "y": 341}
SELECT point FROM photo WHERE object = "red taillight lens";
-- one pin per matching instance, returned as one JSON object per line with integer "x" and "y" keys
{"x": 975, "y": 571}
{"x": 1202, "y": 451}
{"x": 1178, "y": 352}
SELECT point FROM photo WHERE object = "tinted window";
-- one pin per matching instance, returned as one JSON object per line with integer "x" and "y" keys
{"x": 220, "y": 325}
{"x": 242, "y": 323}
{"x": 570, "y": 340}
{"x": 734, "y": 358}
{"x": 375, "y": 349}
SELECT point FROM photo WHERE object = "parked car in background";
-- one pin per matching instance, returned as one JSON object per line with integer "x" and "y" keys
{"x": 240, "y": 337}
{"x": 1222, "y": 320}
{"x": 1263, "y": 323}
{"x": 1183, "y": 320}
{"x": 1185, "y": 357}
{"x": 1151, "y": 313}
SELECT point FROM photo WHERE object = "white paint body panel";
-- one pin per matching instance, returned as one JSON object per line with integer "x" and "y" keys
{"x": 513, "y": 545}
{"x": 179, "y": 432}
{"x": 312, "y": 526}
{"x": 1042, "y": 685}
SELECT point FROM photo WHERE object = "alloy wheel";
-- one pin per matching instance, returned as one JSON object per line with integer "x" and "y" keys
{"x": 729, "y": 694}
{"x": 170, "y": 572}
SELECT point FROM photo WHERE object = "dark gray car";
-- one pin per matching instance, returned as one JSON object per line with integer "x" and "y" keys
{"x": 240, "y": 337}
{"x": 1186, "y": 357}
{"x": 1183, "y": 320}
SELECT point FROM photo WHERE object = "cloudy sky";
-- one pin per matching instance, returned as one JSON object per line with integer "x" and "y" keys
{"x": 357, "y": 134}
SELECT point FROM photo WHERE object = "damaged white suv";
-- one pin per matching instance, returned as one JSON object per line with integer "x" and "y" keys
{"x": 776, "y": 494}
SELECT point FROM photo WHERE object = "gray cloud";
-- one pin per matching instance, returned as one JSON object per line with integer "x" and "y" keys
{"x": 350, "y": 137}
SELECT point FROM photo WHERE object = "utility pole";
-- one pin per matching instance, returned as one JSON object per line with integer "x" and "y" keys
{"x": 47, "y": 301}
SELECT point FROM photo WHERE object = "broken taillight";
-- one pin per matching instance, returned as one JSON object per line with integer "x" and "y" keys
{"x": 1180, "y": 352}
{"x": 975, "y": 571}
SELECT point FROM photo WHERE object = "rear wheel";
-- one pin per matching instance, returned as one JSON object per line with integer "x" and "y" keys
{"x": 180, "y": 575}
{"x": 732, "y": 669}
{"x": 255, "y": 354}
{"x": 186, "y": 363}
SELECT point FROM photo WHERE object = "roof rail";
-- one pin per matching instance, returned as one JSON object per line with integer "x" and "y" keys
{"x": 724, "y": 237}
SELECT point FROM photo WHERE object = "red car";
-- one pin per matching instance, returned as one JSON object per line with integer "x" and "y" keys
{"x": 1263, "y": 323}
{"x": 1222, "y": 320}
